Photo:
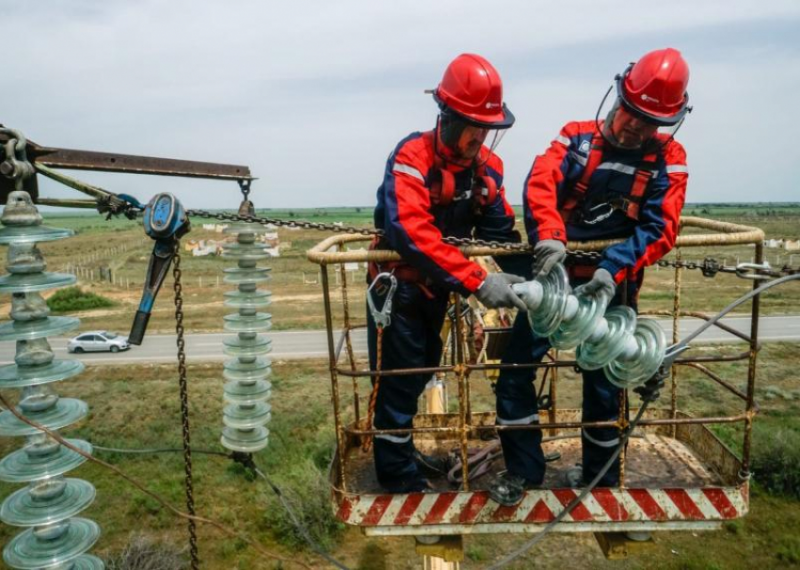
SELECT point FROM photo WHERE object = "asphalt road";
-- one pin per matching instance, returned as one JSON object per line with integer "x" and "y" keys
{"x": 313, "y": 344}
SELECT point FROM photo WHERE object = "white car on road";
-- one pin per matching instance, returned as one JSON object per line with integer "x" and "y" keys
{"x": 96, "y": 341}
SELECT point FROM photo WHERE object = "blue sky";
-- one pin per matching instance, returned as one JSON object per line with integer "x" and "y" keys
{"x": 314, "y": 95}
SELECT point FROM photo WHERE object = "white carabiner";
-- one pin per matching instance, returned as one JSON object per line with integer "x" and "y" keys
{"x": 750, "y": 271}
{"x": 382, "y": 317}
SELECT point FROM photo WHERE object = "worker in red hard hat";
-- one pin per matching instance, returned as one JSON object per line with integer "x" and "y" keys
{"x": 625, "y": 178}
{"x": 446, "y": 182}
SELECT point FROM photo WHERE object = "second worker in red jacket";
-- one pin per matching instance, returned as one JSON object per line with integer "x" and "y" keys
{"x": 624, "y": 177}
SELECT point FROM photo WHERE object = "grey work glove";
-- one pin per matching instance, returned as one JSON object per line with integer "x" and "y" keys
{"x": 546, "y": 254}
{"x": 602, "y": 284}
{"x": 495, "y": 291}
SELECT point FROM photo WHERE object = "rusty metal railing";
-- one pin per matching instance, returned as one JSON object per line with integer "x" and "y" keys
{"x": 332, "y": 252}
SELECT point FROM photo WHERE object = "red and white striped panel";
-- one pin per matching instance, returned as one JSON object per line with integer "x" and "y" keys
{"x": 542, "y": 506}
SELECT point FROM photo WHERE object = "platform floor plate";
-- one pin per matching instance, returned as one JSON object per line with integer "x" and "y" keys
{"x": 653, "y": 461}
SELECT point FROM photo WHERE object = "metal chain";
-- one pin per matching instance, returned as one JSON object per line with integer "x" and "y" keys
{"x": 244, "y": 186}
{"x": 300, "y": 224}
{"x": 709, "y": 267}
{"x": 368, "y": 232}
{"x": 184, "y": 395}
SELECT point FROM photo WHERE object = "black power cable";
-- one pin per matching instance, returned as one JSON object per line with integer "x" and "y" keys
{"x": 159, "y": 450}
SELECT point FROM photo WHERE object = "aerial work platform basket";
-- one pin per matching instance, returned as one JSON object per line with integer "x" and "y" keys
{"x": 676, "y": 474}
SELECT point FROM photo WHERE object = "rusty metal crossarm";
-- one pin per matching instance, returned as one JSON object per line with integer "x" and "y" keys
{"x": 43, "y": 158}
{"x": 72, "y": 159}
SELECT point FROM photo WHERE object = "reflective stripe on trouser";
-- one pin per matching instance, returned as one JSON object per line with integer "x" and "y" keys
{"x": 516, "y": 398}
{"x": 600, "y": 403}
{"x": 411, "y": 341}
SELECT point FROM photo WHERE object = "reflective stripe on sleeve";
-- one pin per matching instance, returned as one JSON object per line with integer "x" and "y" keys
{"x": 410, "y": 170}
{"x": 521, "y": 421}
{"x": 674, "y": 168}
{"x": 562, "y": 139}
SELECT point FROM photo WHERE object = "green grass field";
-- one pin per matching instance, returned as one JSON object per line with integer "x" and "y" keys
{"x": 121, "y": 246}
{"x": 138, "y": 407}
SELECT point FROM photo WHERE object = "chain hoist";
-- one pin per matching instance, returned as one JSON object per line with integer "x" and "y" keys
{"x": 165, "y": 221}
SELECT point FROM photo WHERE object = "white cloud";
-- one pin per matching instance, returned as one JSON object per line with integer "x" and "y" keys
{"x": 313, "y": 95}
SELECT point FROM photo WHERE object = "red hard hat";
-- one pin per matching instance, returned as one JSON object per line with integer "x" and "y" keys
{"x": 655, "y": 87}
{"x": 472, "y": 88}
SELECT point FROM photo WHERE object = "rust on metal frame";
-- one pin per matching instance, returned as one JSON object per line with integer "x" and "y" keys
{"x": 72, "y": 159}
{"x": 676, "y": 309}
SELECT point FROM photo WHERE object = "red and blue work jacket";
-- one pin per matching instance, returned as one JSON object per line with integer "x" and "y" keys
{"x": 575, "y": 193}
{"x": 414, "y": 224}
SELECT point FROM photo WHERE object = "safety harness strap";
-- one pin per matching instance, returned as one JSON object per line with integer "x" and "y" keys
{"x": 579, "y": 190}
{"x": 643, "y": 175}
{"x": 442, "y": 184}
{"x": 630, "y": 205}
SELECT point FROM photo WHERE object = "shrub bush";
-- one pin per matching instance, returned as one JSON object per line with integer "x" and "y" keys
{"x": 75, "y": 299}
{"x": 142, "y": 553}
{"x": 776, "y": 460}
{"x": 305, "y": 489}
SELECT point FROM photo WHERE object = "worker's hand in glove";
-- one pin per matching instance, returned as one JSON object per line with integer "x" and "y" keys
{"x": 495, "y": 291}
{"x": 651, "y": 390}
{"x": 602, "y": 284}
{"x": 546, "y": 254}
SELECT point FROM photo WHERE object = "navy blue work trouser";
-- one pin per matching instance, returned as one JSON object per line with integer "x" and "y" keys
{"x": 517, "y": 405}
{"x": 411, "y": 341}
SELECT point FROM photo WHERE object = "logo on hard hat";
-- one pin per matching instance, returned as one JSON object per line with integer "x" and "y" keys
{"x": 490, "y": 105}
{"x": 646, "y": 97}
